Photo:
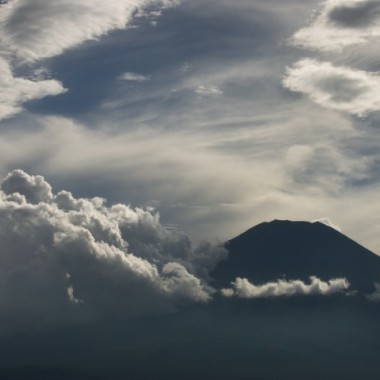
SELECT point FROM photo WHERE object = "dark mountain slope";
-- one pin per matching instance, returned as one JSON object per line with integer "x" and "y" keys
{"x": 297, "y": 250}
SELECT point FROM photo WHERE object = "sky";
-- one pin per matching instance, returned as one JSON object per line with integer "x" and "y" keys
{"x": 217, "y": 115}
{"x": 137, "y": 136}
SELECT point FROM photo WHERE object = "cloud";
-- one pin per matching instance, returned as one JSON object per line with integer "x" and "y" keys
{"x": 15, "y": 91}
{"x": 327, "y": 222}
{"x": 32, "y": 30}
{"x": 134, "y": 77}
{"x": 242, "y": 288}
{"x": 375, "y": 296}
{"x": 64, "y": 260}
{"x": 338, "y": 88}
{"x": 341, "y": 23}
{"x": 208, "y": 90}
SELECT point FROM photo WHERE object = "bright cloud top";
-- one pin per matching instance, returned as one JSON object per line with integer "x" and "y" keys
{"x": 242, "y": 288}
{"x": 64, "y": 259}
{"x": 338, "y": 88}
{"x": 40, "y": 29}
{"x": 341, "y": 23}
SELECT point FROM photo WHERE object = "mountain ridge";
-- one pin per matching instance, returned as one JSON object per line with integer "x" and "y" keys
{"x": 297, "y": 250}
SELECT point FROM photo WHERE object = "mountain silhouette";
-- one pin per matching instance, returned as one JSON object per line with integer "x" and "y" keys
{"x": 297, "y": 250}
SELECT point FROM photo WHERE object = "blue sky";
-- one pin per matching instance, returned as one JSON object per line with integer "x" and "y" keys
{"x": 217, "y": 114}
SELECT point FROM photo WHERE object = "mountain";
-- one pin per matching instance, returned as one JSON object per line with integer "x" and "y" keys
{"x": 297, "y": 250}
{"x": 290, "y": 338}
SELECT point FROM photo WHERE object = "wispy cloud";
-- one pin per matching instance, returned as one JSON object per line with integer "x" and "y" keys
{"x": 133, "y": 77}
{"x": 208, "y": 90}
{"x": 31, "y": 30}
{"x": 14, "y": 91}
{"x": 327, "y": 222}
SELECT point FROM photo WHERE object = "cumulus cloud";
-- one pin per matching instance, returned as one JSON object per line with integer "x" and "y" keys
{"x": 32, "y": 30}
{"x": 338, "y": 88}
{"x": 242, "y": 288}
{"x": 65, "y": 259}
{"x": 14, "y": 91}
{"x": 341, "y": 23}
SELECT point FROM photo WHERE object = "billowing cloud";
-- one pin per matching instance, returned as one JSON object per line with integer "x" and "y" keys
{"x": 338, "y": 88}
{"x": 32, "y": 30}
{"x": 242, "y": 288}
{"x": 14, "y": 91}
{"x": 341, "y": 23}
{"x": 65, "y": 259}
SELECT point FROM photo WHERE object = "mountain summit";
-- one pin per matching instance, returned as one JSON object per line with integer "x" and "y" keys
{"x": 297, "y": 250}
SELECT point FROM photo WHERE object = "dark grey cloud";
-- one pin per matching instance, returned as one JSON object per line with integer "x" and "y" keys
{"x": 340, "y": 24}
{"x": 356, "y": 15}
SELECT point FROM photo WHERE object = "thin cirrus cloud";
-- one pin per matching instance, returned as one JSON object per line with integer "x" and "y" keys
{"x": 339, "y": 24}
{"x": 243, "y": 288}
{"x": 65, "y": 260}
{"x": 338, "y": 88}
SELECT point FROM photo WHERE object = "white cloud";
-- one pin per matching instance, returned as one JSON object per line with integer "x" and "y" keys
{"x": 208, "y": 90}
{"x": 32, "y": 30}
{"x": 327, "y": 222}
{"x": 242, "y": 288}
{"x": 338, "y": 88}
{"x": 134, "y": 77}
{"x": 375, "y": 296}
{"x": 341, "y": 23}
{"x": 65, "y": 259}
{"x": 15, "y": 91}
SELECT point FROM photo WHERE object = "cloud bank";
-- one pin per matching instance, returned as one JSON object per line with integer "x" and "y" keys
{"x": 242, "y": 288}
{"x": 64, "y": 260}
{"x": 339, "y": 88}
{"x": 341, "y": 23}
